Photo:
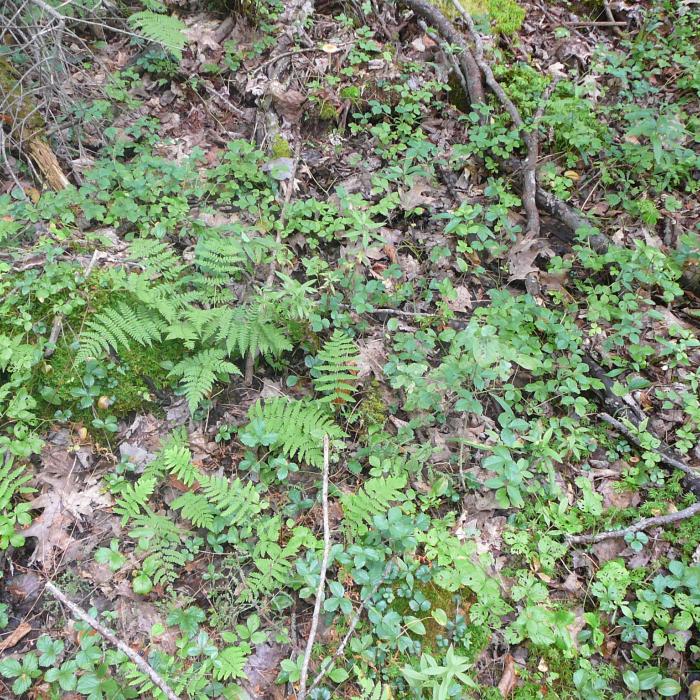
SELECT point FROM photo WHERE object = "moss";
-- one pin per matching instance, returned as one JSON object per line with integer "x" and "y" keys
{"x": 373, "y": 410}
{"x": 506, "y": 15}
{"x": 280, "y": 147}
{"x": 327, "y": 112}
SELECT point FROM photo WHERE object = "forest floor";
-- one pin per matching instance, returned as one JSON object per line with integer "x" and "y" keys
{"x": 338, "y": 372}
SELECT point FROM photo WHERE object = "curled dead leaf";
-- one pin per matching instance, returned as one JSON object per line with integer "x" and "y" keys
{"x": 509, "y": 677}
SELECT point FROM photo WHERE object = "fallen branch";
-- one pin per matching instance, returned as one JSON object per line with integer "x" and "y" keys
{"x": 109, "y": 636}
{"x": 301, "y": 695}
{"x": 528, "y": 135}
{"x": 467, "y": 63}
{"x": 643, "y": 524}
{"x": 664, "y": 451}
{"x": 250, "y": 360}
{"x": 328, "y": 663}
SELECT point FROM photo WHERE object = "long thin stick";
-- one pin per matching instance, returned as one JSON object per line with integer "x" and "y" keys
{"x": 109, "y": 636}
{"x": 529, "y": 136}
{"x": 327, "y": 665}
{"x": 667, "y": 457}
{"x": 301, "y": 695}
{"x": 250, "y": 360}
{"x": 643, "y": 524}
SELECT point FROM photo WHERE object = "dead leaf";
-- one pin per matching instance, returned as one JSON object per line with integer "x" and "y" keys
{"x": 64, "y": 505}
{"x": 287, "y": 103}
{"x": 462, "y": 302}
{"x": 21, "y": 631}
{"x": 415, "y": 196}
{"x": 509, "y": 677}
{"x": 372, "y": 358}
{"x": 522, "y": 256}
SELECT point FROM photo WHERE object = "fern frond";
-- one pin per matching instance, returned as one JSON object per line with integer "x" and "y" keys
{"x": 196, "y": 508}
{"x": 374, "y": 498}
{"x": 157, "y": 258}
{"x": 200, "y": 372}
{"x": 12, "y": 481}
{"x": 336, "y": 369}
{"x": 230, "y": 662}
{"x": 299, "y": 426}
{"x": 250, "y": 330}
{"x": 133, "y": 498}
{"x": 235, "y": 501}
{"x": 166, "y": 30}
{"x": 177, "y": 459}
{"x": 115, "y": 327}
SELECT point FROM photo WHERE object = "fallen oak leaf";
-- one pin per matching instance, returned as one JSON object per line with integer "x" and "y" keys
{"x": 509, "y": 677}
{"x": 17, "y": 634}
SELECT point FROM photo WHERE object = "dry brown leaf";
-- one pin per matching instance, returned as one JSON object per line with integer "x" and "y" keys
{"x": 416, "y": 196}
{"x": 463, "y": 300}
{"x": 64, "y": 506}
{"x": 21, "y": 631}
{"x": 288, "y": 103}
{"x": 371, "y": 359}
{"x": 509, "y": 677}
{"x": 522, "y": 256}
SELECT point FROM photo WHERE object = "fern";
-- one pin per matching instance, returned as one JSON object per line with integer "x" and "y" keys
{"x": 299, "y": 427}
{"x": 230, "y": 662}
{"x": 336, "y": 369}
{"x": 115, "y": 328}
{"x": 200, "y": 372}
{"x": 177, "y": 459}
{"x": 225, "y": 257}
{"x": 235, "y": 501}
{"x": 133, "y": 498}
{"x": 196, "y": 508}
{"x": 12, "y": 481}
{"x": 375, "y": 497}
{"x": 156, "y": 258}
{"x": 250, "y": 331}
{"x": 161, "y": 29}
{"x": 169, "y": 546}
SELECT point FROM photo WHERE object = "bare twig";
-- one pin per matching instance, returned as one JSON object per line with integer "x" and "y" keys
{"x": 109, "y": 636}
{"x": 611, "y": 19}
{"x": 643, "y": 524}
{"x": 595, "y": 24}
{"x": 664, "y": 451}
{"x": 328, "y": 664}
{"x": 250, "y": 360}
{"x": 467, "y": 63}
{"x": 528, "y": 135}
{"x": 301, "y": 695}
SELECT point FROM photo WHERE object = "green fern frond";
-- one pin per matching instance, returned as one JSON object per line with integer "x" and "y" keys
{"x": 133, "y": 498}
{"x": 196, "y": 508}
{"x": 336, "y": 369}
{"x": 299, "y": 426}
{"x": 250, "y": 330}
{"x": 235, "y": 501}
{"x": 200, "y": 372}
{"x": 374, "y": 498}
{"x": 12, "y": 481}
{"x": 116, "y": 327}
{"x": 230, "y": 662}
{"x": 166, "y": 30}
{"x": 157, "y": 258}
{"x": 177, "y": 459}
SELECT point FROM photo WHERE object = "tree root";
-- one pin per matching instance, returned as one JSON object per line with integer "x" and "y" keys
{"x": 640, "y": 525}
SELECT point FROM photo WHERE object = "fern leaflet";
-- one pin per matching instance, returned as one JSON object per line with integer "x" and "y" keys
{"x": 162, "y": 29}
{"x": 299, "y": 427}
{"x": 230, "y": 662}
{"x": 336, "y": 369}
{"x": 115, "y": 328}
{"x": 200, "y": 372}
{"x": 374, "y": 498}
{"x": 12, "y": 481}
